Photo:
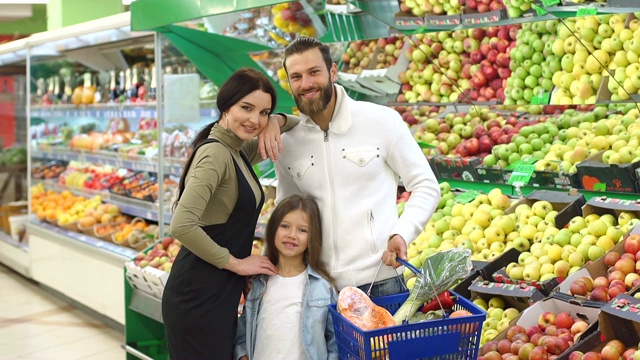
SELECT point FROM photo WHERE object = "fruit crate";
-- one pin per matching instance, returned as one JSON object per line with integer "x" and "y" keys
{"x": 457, "y": 338}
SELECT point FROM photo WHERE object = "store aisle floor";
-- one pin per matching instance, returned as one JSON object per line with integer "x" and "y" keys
{"x": 35, "y": 325}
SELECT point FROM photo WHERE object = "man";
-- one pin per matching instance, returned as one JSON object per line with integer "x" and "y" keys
{"x": 348, "y": 155}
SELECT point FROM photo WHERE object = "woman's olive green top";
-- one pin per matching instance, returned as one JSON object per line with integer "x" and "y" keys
{"x": 211, "y": 191}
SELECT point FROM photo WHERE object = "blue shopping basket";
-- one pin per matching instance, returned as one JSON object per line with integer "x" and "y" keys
{"x": 456, "y": 338}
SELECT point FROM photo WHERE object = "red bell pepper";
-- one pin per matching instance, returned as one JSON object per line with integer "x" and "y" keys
{"x": 445, "y": 299}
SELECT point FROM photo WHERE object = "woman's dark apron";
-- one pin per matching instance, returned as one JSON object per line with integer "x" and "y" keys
{"x": 200, "y": 301}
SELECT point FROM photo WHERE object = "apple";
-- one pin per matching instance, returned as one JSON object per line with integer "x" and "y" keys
{"x": 632, "y": 244}
{"x": 546, "y": 319}
{"x": 579, "y": 326}
{"x": 538, "y": 353}
{"x": 564, "y": 320}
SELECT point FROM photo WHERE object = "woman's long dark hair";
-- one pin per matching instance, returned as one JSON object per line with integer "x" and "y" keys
{"x": 242, "y": 83}
{"x": 308, "y": 206}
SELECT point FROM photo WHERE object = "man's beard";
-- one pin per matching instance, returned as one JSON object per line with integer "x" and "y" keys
{"x": 315, "y": 106}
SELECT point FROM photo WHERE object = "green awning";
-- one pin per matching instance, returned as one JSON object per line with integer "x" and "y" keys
{"x": 153, "y": 14}
{"x": 218, "y": 56}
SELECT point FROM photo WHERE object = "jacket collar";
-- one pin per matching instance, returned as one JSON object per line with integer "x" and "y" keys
{"x": 311, "y": 273}
{"x": 226, "y": 136}
{"x": 341, "y": 118}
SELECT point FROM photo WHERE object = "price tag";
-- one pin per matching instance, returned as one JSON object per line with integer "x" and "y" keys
{"x": 467, "y": 197}
{"x": 547, "y": 3}
{"x": 521, "y": 174}
{"x": 587, "y": 11}
{"x": 600, "y": 187}
{"x": 542, "y": 99}
{"x": 424, "y": 145}
{"x": 539, "y": 10}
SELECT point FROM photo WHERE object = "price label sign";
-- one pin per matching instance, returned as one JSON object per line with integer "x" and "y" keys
{"x": 587, "y": 11}
{"x": 542, "y": 99}
{"x": 467, "y": 197}
{"x": 521, "y": 174}
{"x": 424, "y": 145}
{"x": 540, "y": 11}
{"x": 547, "y": 3}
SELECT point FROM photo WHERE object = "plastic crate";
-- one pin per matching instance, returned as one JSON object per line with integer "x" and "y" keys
{"x": 457, "y": 338}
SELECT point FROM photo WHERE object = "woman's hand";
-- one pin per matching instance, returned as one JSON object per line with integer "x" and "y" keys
{"x": 252, "y": 265}
{"x": 244, "y": 358}
{"x": 269, "y": 141}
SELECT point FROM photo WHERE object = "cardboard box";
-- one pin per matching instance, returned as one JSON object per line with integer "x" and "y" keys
{"x": 444, "y": 22}
{"x": 603, "y": 94}
{"x": 472, "y": 17}
{"x": 529, "y": 317}
{"x": 598, "y": 176}
{"x": 608, "y": 205}
{"x": 618, "y": 320}
{"x": 516, "y": 296}
{"x": 593, "y": 270}
{"x": 507, "y": 257}
{"x": 567, "y": 204}
{"x": 545, "y": 287}
{"x": 545, "y": 179}
{"x": 407, "y": 21}
{"x": 493, "y": 175}
{"x": 457, "y": 168}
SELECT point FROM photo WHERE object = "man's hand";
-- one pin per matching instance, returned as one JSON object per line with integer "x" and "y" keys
{"x": 396, "y": 247}
{"x": 269, "y": 141}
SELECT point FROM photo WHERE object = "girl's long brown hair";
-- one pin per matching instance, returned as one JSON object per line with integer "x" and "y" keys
{"x": 240, "y": 84}
{"x": 309, "y": 206}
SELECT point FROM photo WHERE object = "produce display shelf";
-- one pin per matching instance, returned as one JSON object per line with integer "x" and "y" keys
{"x": 106, "y": 111}
{"x": 15, "y": 255}
{"x": 385, "y": 11}
{"x": 130, "y": 206}
{"x": 104, "y": 248}
{"x": 146, "y": 304}
{"x": 526, "y": 190}
{"x": 172, "y": 167}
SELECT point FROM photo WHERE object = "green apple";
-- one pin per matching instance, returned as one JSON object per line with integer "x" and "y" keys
{"x": 595, "y": 252}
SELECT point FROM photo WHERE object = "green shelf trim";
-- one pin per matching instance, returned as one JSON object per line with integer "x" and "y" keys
{"x": 210, "y": 53}
{"x": 526, "y": 190}
{"x": 152, "y": 14}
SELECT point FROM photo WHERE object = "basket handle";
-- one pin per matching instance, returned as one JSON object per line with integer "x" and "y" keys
{"x": 414, "y": 269}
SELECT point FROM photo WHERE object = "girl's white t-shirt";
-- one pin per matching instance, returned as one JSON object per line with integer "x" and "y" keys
{"x": 279, "y": 332}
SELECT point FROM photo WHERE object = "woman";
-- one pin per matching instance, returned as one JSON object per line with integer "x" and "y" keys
{"x": 214, "y": 217}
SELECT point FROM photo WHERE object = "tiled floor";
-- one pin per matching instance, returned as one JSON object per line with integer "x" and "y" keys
{"x": 35, "y": 325}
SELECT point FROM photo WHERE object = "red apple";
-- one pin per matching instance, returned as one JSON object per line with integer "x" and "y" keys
{"x": 564, "y": 320}
{"x": 535, "y": 338}
{"x": 492, "y": 355}
{"x": 551, "y": 330}
{"x": 592, "y": 355}
{"x": 576, "y": 355}
{"x": 628, "y": 354}
{"x": 533, "y": 329}
{"x": 618, "y": 345}
{"x": 504, "y": 346}
{"x": 625, "y": 265}
{"x": 491, "y": 345}
{"x": 556, "y": 345}
{"x": 578, "y": 287}
{"x": 599, "y": 293}
{"x": 546, "y": 319}
{"x": 538, "y": 353}
{"x": 516, "y": 345}
{"x": 628, "y": 256}
{"x": 600, "y": 281}
{"x": 632, "y": 244}
{"x": 525, "y": 351}
{"x": 611, "y": 257}
{"x": 514, "y": 330}
{"x": 616, "y": 275}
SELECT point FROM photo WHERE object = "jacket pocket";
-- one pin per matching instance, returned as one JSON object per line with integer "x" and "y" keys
{"x": 299, "y": 170}
{"x": 373, "y": 247}
{"x": 318, "y": 308}
{"x": 361, "y": 156}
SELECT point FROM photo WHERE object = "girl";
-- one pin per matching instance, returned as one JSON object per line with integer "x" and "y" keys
{"x": 286, "y": 316}
{"x": 215, "y": 218}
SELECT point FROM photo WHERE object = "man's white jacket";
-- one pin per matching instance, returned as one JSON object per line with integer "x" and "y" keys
{"x": 352, "y": 171}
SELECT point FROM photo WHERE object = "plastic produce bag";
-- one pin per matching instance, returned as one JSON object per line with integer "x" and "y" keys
{"x": 439, "y": 272}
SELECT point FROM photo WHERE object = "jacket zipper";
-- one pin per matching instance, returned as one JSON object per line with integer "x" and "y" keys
{"x": 327, "y": 151}
{"x": 373, "y": 239}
